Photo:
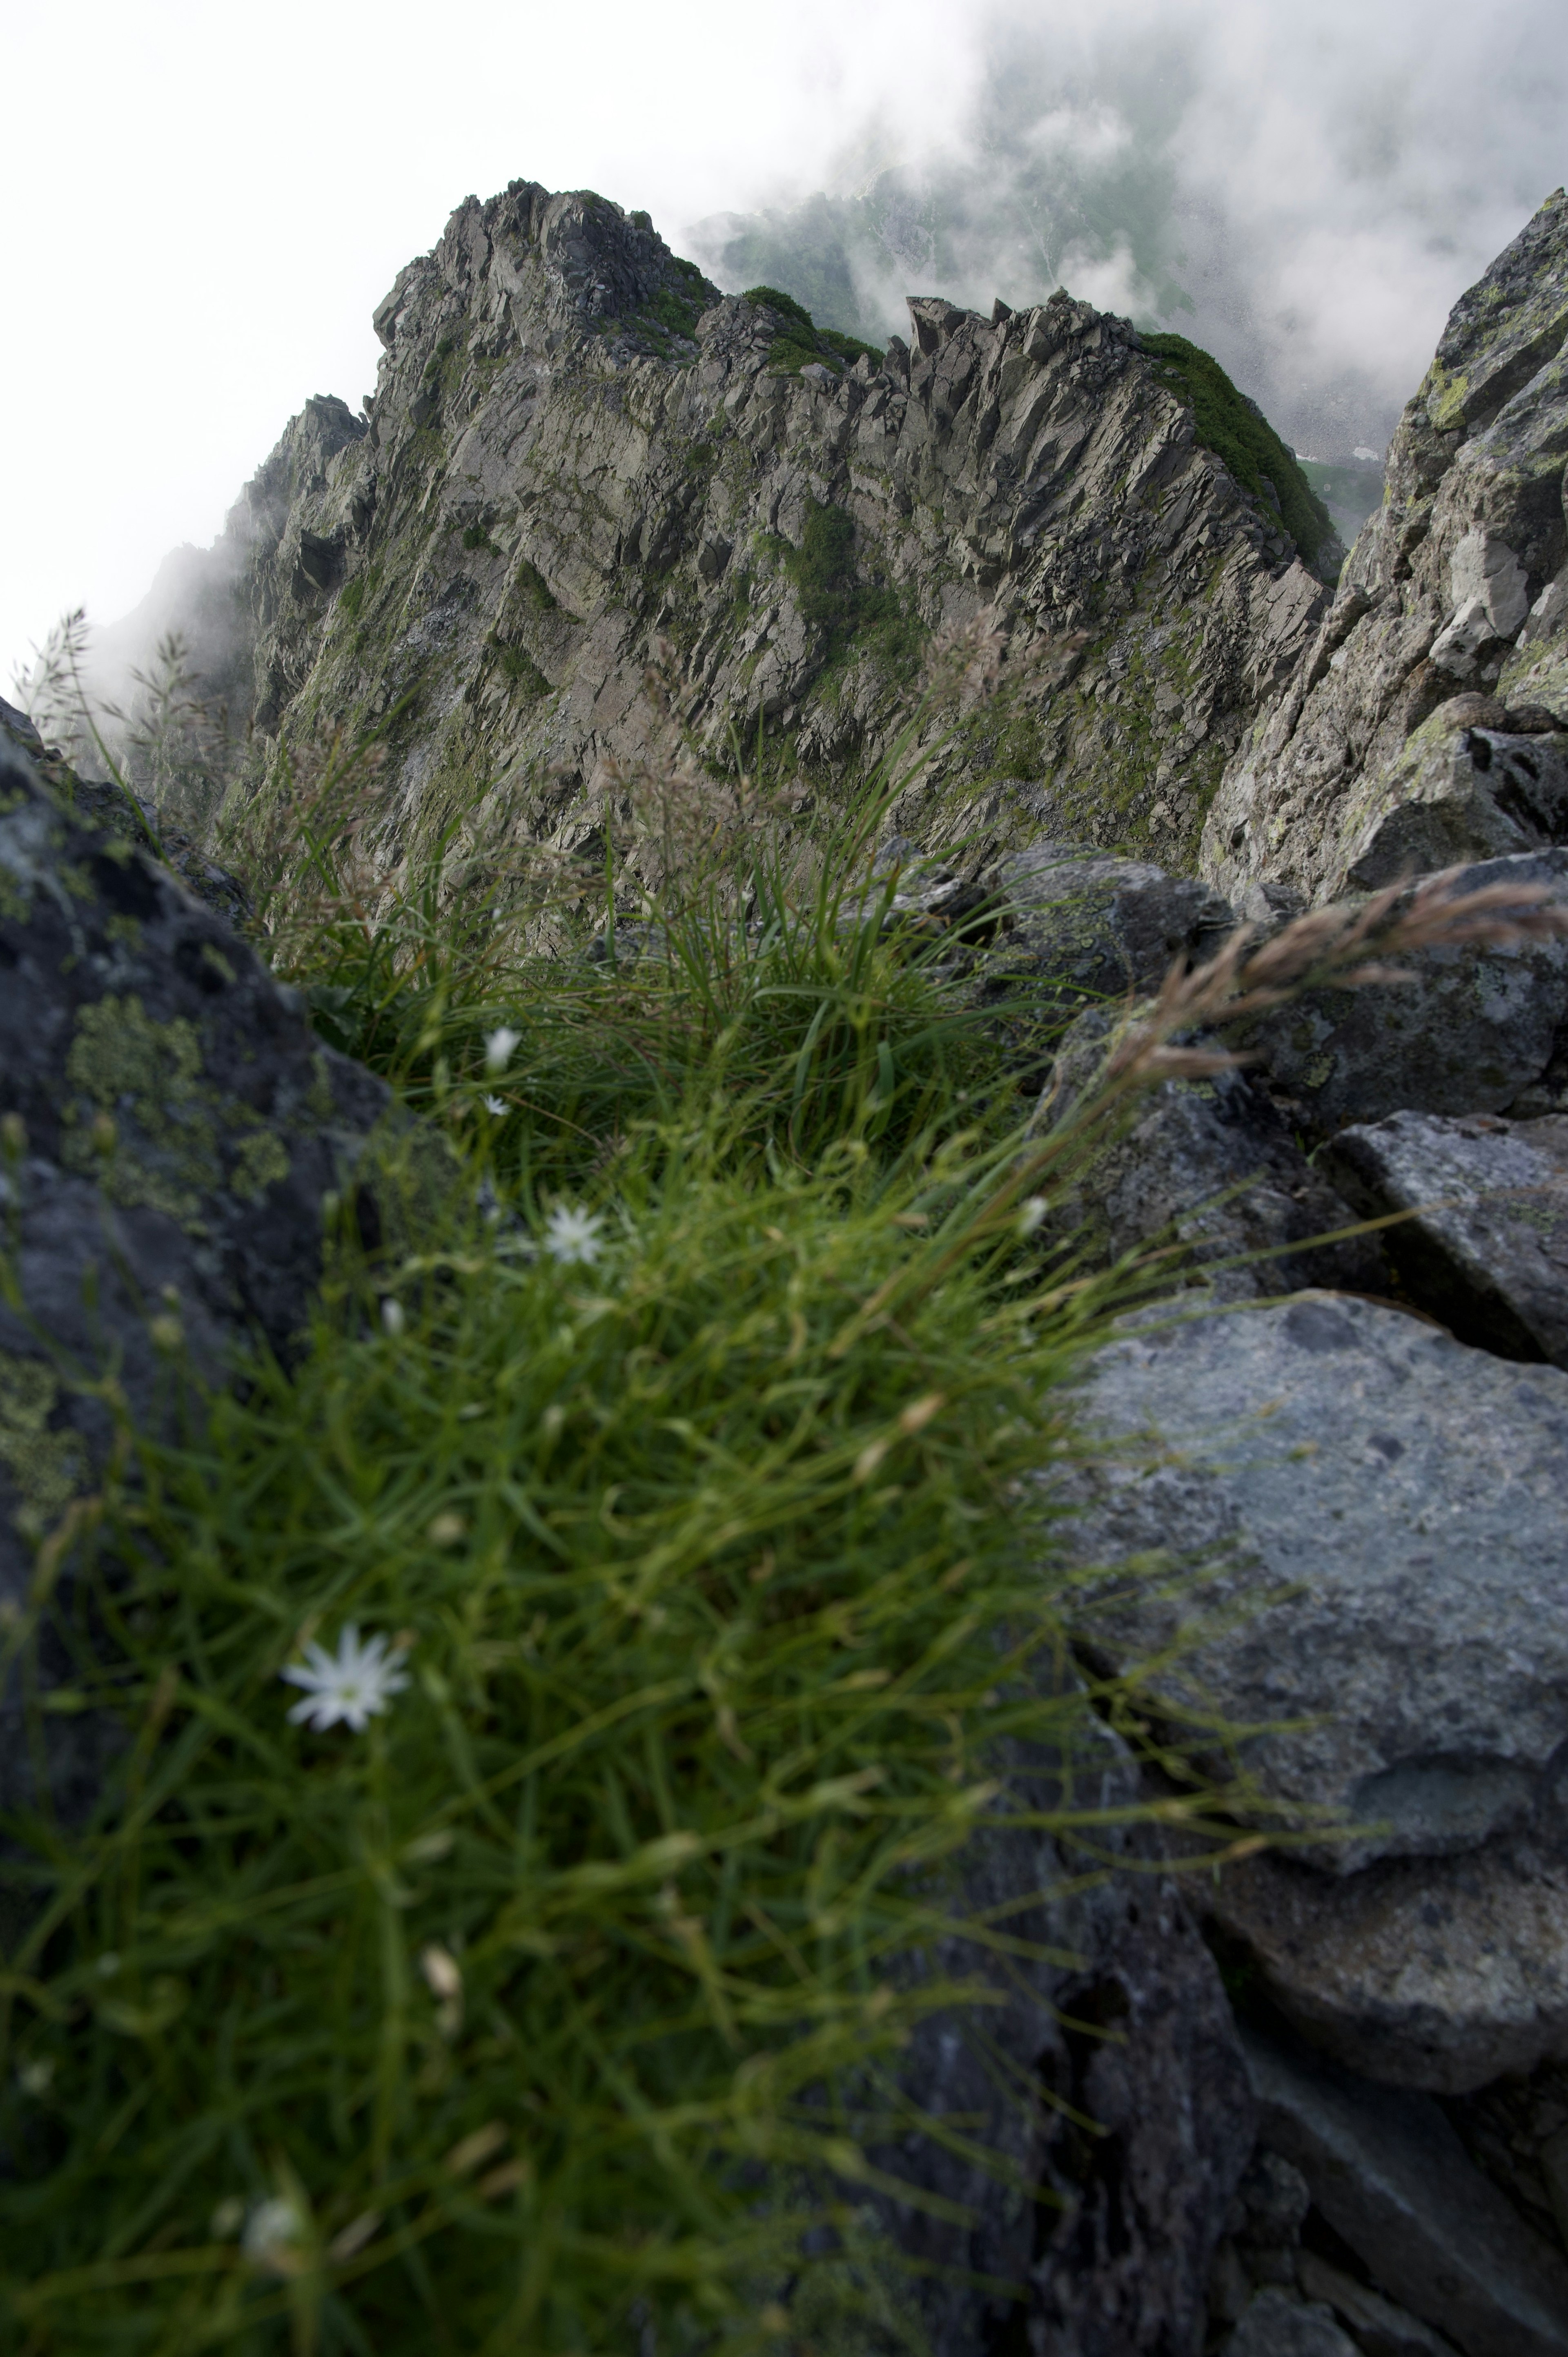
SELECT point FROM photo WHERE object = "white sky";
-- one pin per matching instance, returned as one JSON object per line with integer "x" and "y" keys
{"x": 201, "y": 205}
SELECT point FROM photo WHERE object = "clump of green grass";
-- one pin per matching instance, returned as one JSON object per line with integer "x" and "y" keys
{"x": 685, "y": 1463}
{"x": 695, "y": 1547}
{"x": 837, "y": 604}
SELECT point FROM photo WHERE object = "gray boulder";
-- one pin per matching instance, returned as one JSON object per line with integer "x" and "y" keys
{"x": 1444, "y": 1974}
{"x": 170, "y": 1131}
{"x": 1209, "y": 1167}
{"x": 1080, "y": 927}
{"x": 1393, "y": 2178}
{"x": 1377, "y": 1510}
{"x": 1471, "y": 1033}
{"x": 1486, "y": 1248}
{"x": 1341, "y": 1540}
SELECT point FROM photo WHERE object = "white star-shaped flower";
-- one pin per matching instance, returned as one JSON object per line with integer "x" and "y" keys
{"x": 571, "y": 1236}
{"x": 495, "y": 1104}
{"x": 498, "y": 1045}
{"x": 355, "y": 1684}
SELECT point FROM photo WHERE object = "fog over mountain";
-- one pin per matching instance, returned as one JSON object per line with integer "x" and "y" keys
{"x": 1303, "y": 193}
{"x": 197, "y": 222}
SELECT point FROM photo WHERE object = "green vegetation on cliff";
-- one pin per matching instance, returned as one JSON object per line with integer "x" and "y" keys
{"x": 1236, "y": 430}
{"x": 802, "y": 341}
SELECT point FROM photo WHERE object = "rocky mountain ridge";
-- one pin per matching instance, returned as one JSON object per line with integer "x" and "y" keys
{"x": 577, "y": 448}
{"x": 1427, "y": 721}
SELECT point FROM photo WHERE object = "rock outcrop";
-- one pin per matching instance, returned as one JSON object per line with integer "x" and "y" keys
{"x": 1349, "y": 1537}
{"x": 1112, "y": 2233}
{"x": 1207, "y": 1175}
{"x": 1393, "y": 2178}
{"x": 577, "y": 448}
{"x": 1484, "y": 1246}
{"x": 1482, "y": 1029}
{"x": 170, "y": 1129}
{"x": 1428, "y": 722}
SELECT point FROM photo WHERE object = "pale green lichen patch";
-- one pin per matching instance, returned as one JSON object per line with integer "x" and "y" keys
{"x": 121, "y": 1060}
{"x": 45, "y": 1467}
{"x": 264, "y": 1160}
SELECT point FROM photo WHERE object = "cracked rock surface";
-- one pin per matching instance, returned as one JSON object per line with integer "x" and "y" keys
{"x": 1486, "y": 1250}
{"x": 1361, "y": 767}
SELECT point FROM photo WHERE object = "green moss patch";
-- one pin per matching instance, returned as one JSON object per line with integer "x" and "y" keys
{"x": 802, "y": 341}
{"x": 1229, "y": 425}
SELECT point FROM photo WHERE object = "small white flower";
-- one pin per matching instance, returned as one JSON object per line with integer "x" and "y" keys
{"x": 391, "y": 1316}
{"x": 272, "y": 2236}
{"x": 498, "y": 1045}
{"x": 571, "y": 1236}
{"x": 495, "y": 1104}
{"x": 1031, "y": 1214}
{"x": 36, "y": 2077}
{"x": 353, "y": 1685}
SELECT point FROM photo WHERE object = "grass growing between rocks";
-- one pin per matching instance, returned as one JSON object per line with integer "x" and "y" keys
{"x": 678, "y": 1471}
{"x": 482, "y": 2027}
{"x": 680, "y": 1475}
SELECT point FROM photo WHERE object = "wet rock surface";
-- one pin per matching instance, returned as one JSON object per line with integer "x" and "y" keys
{"x": 1486, "y": 1249}
{"x": 171, "y": 1128}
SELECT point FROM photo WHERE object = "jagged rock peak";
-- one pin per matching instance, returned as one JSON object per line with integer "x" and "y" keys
{"x": 578, "y": 448}
{"x": 1428, "y": 723}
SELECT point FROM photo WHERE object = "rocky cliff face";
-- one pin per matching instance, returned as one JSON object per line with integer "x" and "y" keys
{"x": 1428, "y": 721}
{"x": 577, "y": 448}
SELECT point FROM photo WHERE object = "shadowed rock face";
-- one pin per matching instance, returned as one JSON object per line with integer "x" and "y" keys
{"x": 576, "y": 447}
{"x": 170, "y": 1129}
{"x": 1457, "y": 586}
{"x": 1109, "y": 2009}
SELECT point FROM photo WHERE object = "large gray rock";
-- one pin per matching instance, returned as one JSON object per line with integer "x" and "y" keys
{"x": 1379, "y": 1512}
{"x": 1444, "y": 1974}
{"x": 171, "y": 1132}
{"x": 1393, "y": 2178}
{"x": 1455, "y": 583}
{"x": 1080, "y": 928}
{"x": 1474, "y": 1030}
{"x": 1470, "y": 784}
{"x": 1110, "y": 2078}
{"x": 1486, "y": 1248}
{"x": 1210, "y": 1168}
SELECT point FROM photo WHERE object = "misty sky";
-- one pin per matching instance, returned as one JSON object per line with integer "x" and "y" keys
{"x": 202, "y": 205}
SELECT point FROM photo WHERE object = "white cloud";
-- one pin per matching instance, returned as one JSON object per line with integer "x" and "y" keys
{"x": 200, "y": 207}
